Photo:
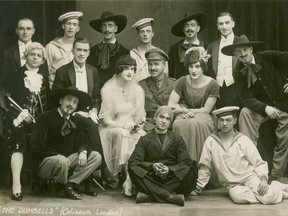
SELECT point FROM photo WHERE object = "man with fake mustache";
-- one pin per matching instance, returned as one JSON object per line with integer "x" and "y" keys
{"x": 188, "y": 28}
{"x": 59, "y": 144}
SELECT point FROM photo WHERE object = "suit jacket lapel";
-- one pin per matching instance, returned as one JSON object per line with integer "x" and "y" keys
{"x": 16, "y": 54}
{"x": 167, "y": 142}
{"x": 89, "y": 79}
{"x": 215, "y": 54}
{"x": 155, "y": 141}
{"x": 71, "y": 74}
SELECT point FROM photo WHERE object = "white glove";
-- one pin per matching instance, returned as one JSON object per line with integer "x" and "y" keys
{"x": 23, "y": 116}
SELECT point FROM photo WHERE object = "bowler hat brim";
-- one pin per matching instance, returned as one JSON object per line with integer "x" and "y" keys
{"x": 120, "y": 20}
{"x": 84, "y": 98}
{"x": 229, "y": 50}
{"x": 201, "y": 19}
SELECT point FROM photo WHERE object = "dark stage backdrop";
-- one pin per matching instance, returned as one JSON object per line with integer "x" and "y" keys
{"x": 265, "y": 20}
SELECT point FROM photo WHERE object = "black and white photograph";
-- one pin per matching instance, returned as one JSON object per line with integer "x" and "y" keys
{"x": 144, "y": 107}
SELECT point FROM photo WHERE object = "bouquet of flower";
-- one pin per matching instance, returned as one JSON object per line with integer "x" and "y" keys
{"x": 33, "y": 81}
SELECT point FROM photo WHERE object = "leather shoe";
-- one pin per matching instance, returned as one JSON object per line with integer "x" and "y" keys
{"x": 71, "y": 193}
{"x": 112, "y": 182}
{"x": 17, "y": 196}
{"x": 142, "y": 198}
{"x": 90, "y": 189}
{"x": 177, "y": 199}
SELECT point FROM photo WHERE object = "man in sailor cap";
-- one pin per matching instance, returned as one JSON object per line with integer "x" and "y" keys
{"x": 238, "y": 164}
{"x": 262, "y": 82}
{"x": 59, "y": 50}
{"x": 145, "y": 33}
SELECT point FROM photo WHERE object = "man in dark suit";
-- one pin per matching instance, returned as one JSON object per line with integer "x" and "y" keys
{"x": 12, "y": 58}
{"x": 262, "y": 81}
{"x": 105, "y": 54}
{"x": 189, "y": 27}
{"x": 221, "y": 66}
{"x": 59, "y": 144}
{"x": 160, "y": 166}
{"x": 85, "y": 77}
{"x": 80, "y": 74}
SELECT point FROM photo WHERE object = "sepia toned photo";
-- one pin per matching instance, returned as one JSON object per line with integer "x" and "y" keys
{"x": 142, "y": 107}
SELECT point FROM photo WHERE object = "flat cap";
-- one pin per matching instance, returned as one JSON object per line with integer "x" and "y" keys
{"x": 142, "y": 23}
{"x": 70, "y": 15}
{"x": 156, "y": 54}
{"x": 228, "y": 110}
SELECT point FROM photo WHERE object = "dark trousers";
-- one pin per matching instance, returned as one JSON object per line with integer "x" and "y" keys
{"x": 228, "y": 96}
{"x": 159, "y": 190}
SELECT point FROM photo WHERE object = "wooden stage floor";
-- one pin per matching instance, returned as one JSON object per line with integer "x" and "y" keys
{"x": 212, "y": 203}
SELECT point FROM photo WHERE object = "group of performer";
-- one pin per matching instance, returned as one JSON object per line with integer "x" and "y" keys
{"x": 166, "y": 121}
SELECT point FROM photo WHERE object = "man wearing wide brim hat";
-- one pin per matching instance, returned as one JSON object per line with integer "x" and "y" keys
{"x": 158, "y": 86}
{"x": 189, "y": 27}
{"x": 59, "y": 143}
{"x": 59, "y": 50}
{"x": 104, "y": 55}
{"x": 262, "y": 83}
{"x": 144, "y": 28}
{"x": 238, "y": 165}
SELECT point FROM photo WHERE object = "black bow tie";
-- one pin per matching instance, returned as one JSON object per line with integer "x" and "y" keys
{"x": 104, "y": 56}
{"x": 250, "y": 71}
{"x": 67, "y": 127}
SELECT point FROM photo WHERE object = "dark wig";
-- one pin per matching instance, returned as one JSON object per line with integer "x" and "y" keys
{"x": 123, "y": 62}
{"x": 192, "y": 58}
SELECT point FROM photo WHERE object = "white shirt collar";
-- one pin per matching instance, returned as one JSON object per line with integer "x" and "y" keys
{"x": 21, "y": 43}
{"x": 58, "y": 109}
{"x": 77, "y": 67}
{"x": 112, "y": 42}
{"x": 196, "y": 42}
{"x": 253, "y": 60}
{"x": 228, "y": 38}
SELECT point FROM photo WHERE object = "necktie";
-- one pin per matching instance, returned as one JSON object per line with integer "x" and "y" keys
{"x": 105, "y": 49}
{"x": 67, "y": 127}
{"x": 250, "y": 72}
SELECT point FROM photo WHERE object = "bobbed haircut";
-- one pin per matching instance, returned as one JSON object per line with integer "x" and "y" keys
{"x": 123, "y": 62}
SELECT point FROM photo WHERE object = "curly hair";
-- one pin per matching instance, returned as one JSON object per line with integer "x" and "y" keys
{"x": 33, "y": 46}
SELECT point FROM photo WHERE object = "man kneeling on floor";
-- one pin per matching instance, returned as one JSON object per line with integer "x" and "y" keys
{"x": 60, "y": 145}
{"x": 237, "y": 163}
{"x": 160, "y": 166}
